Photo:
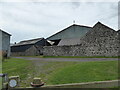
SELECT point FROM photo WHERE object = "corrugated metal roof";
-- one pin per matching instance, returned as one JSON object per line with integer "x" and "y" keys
{"x": 71, "y": 41}
{"x": 26, "y": 42}
{"x": 73, "y": 31}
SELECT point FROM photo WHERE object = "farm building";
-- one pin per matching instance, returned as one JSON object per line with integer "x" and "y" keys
{"x": 4, "y": 43}
{"x": 101, "y": 40}
{"x": 28, "y": 47}
{"x": 72, "y": 33}
{"x": 75, "y": 40}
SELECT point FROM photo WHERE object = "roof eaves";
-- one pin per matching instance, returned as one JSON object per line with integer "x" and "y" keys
{"x": 5, "y": 32}
{"x": 21, "y": 44}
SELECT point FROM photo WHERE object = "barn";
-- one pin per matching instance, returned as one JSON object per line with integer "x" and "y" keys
{"x": 28, "y": 47}
{"x": 75, "y": 40}
{"x": 101, "y": 40}
{"x": 4, "y": 43}
{"x": 70, "y": 35}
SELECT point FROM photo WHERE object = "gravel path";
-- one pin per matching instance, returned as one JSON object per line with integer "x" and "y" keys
{"x": 69, "y": 59}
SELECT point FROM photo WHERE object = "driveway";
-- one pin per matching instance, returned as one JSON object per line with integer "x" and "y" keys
{"x": 68, "y": 59}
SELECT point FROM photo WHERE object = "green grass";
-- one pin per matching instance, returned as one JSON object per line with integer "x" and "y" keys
{"x": 19, "y": 67}
{"x": 60, "y": 72}
{"x": 85, "y": 72}
{"x": 80, "y": 57}
{"x": 28, "y": 69}
{"x": 49, "y": 67}
{"x": 0, "y": 72}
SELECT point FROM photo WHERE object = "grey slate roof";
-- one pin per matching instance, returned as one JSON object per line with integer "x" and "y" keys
{"x": 28, "y": 42}
{"x": 70, "y": 41}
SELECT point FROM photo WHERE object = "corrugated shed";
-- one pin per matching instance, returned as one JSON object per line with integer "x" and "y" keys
{"x": 26, "y": 44}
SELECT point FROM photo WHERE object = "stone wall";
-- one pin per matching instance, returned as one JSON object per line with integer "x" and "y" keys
{"x": 74, "y": 50}
{"x": 100, "y": 41}
{"x": 78, "y": 50}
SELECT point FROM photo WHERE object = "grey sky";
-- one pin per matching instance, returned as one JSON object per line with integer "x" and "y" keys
{"x": 27, "y": 20}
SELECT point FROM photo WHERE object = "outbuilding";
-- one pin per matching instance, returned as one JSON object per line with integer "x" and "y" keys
{"x": 4, "y": 43}
{"x": 28, "y": 47}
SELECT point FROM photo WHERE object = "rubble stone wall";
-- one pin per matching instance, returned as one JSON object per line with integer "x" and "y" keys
{"x": 100, "y": 41}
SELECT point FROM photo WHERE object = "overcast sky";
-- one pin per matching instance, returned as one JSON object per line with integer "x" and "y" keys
{"x": 28, "y": 20}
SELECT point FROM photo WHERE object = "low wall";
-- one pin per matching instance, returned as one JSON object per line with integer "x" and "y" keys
{"x": 63, "y": 51}
{"x": 73, "y": 50}
{"x": 79, "y": 50}
{"x": 97, "y": 84}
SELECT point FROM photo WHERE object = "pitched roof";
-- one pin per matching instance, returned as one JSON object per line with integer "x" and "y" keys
{"x": 98, "y": 34}
{"x": 98, "y": 30}
{"x": 5, "y": 32}
{"x": 76, "y": 34}
{"x": 102, "y": 25}
{"x": 71, "y": 41}
{"x": 28, "y": 42}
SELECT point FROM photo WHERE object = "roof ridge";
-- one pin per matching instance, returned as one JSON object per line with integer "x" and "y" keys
{"x": 103, "y": 25}
{"x": 82, "y": 25}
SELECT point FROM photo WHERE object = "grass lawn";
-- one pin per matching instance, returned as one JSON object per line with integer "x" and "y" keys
{"x": 60, "y": 72}
{"x": 0, "y": 72}
{"x": 19, "y": 67}
{"x": 85, "y": 72}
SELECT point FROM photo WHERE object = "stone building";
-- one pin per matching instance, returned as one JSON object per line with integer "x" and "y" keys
{"x": 4, "y": 43}
{"x": 75, "y": 40}
{"x": 28, "y": 47}
{"x": 100, "y": 40}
